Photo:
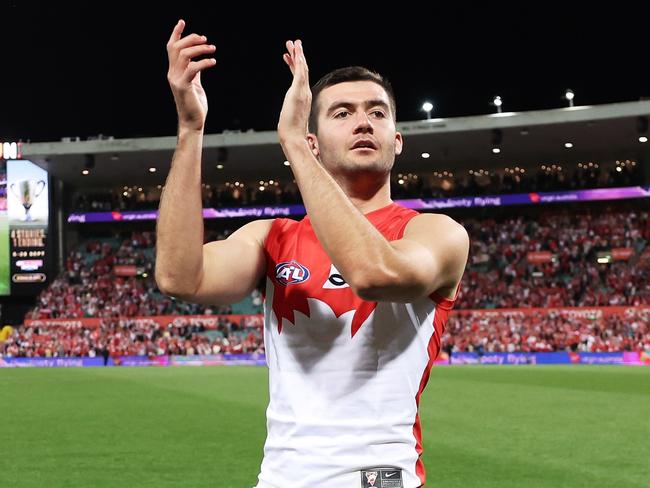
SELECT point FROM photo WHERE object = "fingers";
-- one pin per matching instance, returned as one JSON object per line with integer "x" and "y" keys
{"x": 295, "y": 59}
{"x": 190, "y": 40}
{"x": 287, "y": 59}
{"x": 194, "y": 51}
{"x": 290, "y": 48}
{"x": 182, "y": 50}
{"x": 300, "y": 71}
{"x": 298, "y": 52}
{"x": 177, "y": 43}
{"x": 176, "y": 33}
{"x": 197, "y": 66}
{"x": 295, "y": 52}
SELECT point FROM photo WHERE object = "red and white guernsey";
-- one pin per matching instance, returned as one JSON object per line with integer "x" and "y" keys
{"x": 345, "y": 374}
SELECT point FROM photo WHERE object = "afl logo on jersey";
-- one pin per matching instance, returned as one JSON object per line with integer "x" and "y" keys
{"x": 291, "y": 273}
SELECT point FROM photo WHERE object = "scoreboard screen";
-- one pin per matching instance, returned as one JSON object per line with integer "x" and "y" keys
{"x": 24, "y": 223}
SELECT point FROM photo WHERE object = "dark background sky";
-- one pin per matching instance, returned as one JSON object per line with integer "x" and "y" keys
{"x": 102, "y": 69}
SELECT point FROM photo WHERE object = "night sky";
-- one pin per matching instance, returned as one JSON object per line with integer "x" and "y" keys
{"x": 86, "y": 71}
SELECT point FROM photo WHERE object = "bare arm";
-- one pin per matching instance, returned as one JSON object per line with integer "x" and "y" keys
{"x": 179, "y": 233}
{"x": 219, "y": 272}
{"x": 231, "y": 268}
{"x": 431, "y": 257}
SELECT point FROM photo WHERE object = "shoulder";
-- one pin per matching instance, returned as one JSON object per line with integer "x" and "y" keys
{"x": 272, "y": 231}
{"x": 255, "y": 231}
{"x": 447, "y": 241}
{"x": 441, "y": 226}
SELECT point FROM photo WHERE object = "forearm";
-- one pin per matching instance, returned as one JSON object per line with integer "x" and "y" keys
{"x": 358, "y": 250}
{"x": 179, "y": 233}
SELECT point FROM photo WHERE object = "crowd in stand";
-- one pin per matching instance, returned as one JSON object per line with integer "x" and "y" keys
{"x": 547, "y": 332}
{"x": 129, "y": 337}
{"x": 500, "y": 272}
{"x": 580, "y": 268}
{"x": 466, "y": 332}
{"x": 501, "y": 275}
{"x": 90, "y": 287}
{"x": 433, "y": 185}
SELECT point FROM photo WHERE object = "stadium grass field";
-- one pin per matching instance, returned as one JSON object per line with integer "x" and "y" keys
{"x": 485, "y": 426}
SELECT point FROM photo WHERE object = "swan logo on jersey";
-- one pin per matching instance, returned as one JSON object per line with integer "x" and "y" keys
{"x": 291, "y": 273}
{"x": 335, "y": 280}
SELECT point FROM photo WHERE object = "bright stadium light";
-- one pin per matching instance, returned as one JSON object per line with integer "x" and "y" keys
{"x": 569, "y": 95}
{"x": 497, "y": 102}
{"x": 497, "y": 139}
{"x": 427, "y": 107}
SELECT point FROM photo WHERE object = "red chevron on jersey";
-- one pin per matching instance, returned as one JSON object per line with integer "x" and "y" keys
{"x": 298, "y": 267}
{"x": 286, "y": 298}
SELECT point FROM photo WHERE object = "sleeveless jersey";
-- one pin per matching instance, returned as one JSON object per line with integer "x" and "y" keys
{"x": 345, "y": 374}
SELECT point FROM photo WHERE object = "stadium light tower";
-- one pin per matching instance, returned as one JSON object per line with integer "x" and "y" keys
{"x": 569, "y": 95}
{"x": 427, "y": 107}
{"x": 497, "y": 102}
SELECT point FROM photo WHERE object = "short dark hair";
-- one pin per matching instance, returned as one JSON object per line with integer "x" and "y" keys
{"x": 342, "y": 75}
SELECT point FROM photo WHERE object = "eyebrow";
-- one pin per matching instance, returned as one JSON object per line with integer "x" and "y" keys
{"x": 350, "y": 105}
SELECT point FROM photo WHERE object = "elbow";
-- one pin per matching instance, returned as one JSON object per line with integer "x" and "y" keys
{"x": 165, "y": 285}
{"x": 170, "y": 286}
{"x": 368, "y": 293}
{"x": 375, "y": 285}
{"x": 362, "y": 282}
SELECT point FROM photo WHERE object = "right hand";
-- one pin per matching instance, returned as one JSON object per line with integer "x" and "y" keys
{"x": 184, "y": 76}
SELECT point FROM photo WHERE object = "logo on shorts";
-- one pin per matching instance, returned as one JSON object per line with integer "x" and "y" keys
{"x": 291, "y": 273}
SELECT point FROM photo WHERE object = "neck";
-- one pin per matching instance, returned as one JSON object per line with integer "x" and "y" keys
{"x": 366, "y": 191}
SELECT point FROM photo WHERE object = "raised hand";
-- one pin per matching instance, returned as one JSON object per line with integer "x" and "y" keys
{"x": 184, "y": 76}
{"x": 294, "y": 117}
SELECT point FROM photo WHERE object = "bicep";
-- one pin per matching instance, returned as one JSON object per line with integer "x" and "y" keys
{"x": 232, "y": 268}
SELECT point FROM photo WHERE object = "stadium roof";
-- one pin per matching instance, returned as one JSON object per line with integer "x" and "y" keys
{"x": 528, "y": 139}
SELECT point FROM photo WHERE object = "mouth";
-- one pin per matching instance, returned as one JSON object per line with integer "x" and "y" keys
{"x": 364, "y": 145}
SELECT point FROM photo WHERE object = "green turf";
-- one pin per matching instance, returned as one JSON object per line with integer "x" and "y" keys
{"x": 490, "y": 426}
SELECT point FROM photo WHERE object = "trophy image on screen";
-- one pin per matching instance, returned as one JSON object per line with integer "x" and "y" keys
{"x": 27, "y": 191}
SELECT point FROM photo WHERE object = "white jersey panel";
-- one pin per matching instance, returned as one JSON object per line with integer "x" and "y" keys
{"x": 341, "y": 403}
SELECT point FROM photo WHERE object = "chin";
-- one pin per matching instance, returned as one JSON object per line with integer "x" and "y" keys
{"x": 365, "y": 166}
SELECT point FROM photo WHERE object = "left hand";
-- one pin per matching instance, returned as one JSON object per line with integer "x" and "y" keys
{"x": 294, "y": 117}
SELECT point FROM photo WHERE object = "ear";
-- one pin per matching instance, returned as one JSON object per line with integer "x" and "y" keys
{"x": 399, "y": 143}
{"x": 312, "y": 140}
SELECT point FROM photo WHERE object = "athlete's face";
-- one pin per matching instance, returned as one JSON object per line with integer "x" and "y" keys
{"x": 356, "y": 129}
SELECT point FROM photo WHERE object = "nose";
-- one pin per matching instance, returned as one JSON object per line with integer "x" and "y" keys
{"x": 363, "y": 124}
